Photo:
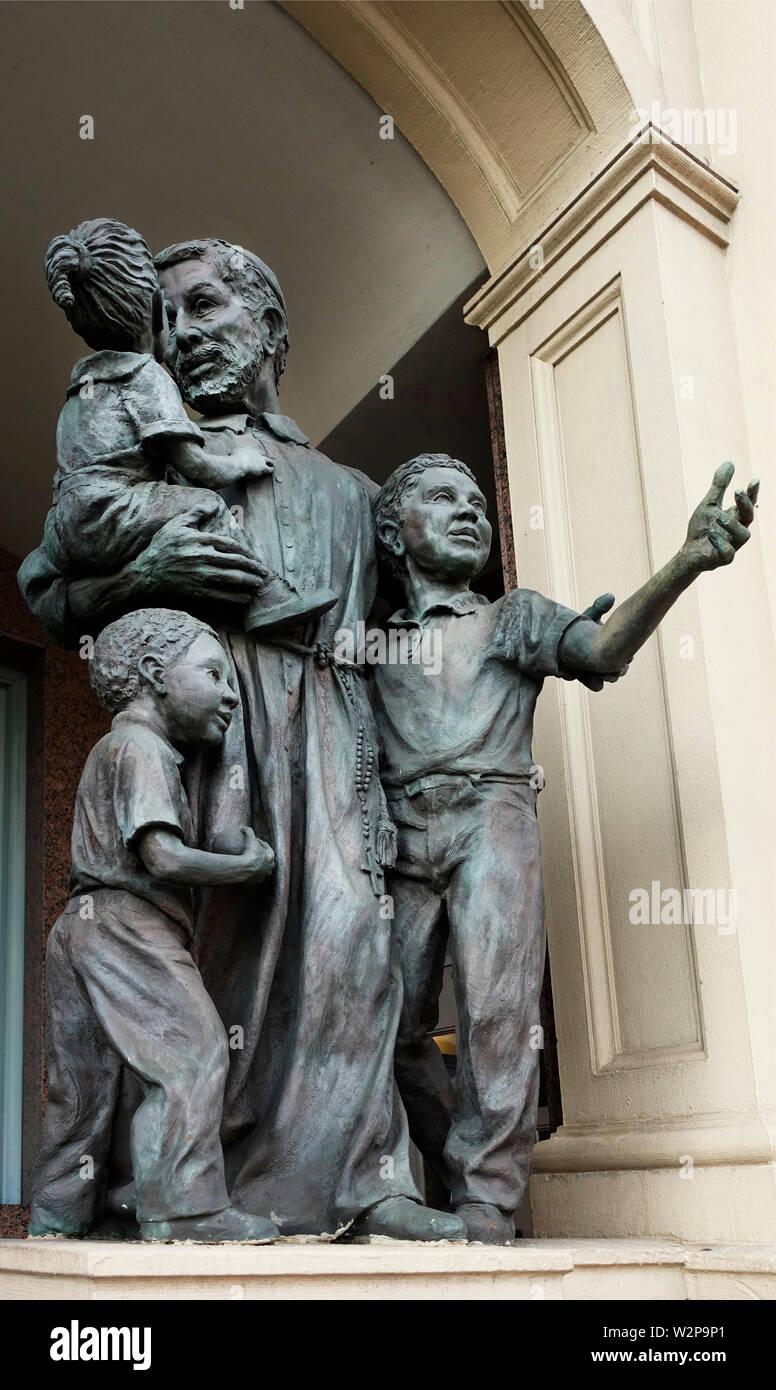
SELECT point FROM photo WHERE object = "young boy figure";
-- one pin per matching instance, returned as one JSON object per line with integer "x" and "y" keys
{"x": 460, "y": 785}
{"x": 122, "y": 987}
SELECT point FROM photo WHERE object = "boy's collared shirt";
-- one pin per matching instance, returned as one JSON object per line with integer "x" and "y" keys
{"x": 471, "y": 709}
{"x": 116, "y": 403}
{"x": 131, "y": 783}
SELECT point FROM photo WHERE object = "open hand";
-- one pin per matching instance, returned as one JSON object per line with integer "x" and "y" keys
{"x": 714, "y": 535}
{"x": 197, "y": 563}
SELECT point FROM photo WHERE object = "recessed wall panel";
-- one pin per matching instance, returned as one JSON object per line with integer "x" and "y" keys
{"x": 627, "y": 835}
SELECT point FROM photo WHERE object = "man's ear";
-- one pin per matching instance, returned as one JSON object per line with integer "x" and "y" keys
{"x": 151, "y": 668}
{"x": 391, "y": 538}
{"x": 273, "y": 329}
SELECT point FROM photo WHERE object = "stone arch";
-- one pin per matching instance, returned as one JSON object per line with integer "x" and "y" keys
{"x": 511, "y": 107}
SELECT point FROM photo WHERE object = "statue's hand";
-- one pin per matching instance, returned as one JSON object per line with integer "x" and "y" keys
{"x": 257, "y": 857}
{"x": 603, "y": 604}
{"x": 595, "y": 681}
{"x": 197, "y": 563}
{"x": 714, "y": 535}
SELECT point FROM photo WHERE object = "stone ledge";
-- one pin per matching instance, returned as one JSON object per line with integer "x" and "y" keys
{"x": 533, "y": 1269}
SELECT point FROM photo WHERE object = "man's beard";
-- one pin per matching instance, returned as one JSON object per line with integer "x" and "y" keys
{"x": 230, "y": 374}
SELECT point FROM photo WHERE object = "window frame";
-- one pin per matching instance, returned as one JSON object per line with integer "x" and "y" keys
{"x": 13, "y": 894}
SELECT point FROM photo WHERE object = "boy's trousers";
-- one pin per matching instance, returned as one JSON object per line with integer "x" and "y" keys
{"x": 122, "y": 989}
{"x": 469, "y": 871}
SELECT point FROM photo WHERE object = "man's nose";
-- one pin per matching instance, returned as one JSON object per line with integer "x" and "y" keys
{"x": 466, "y": 510}
{"x": 187, "y": 334}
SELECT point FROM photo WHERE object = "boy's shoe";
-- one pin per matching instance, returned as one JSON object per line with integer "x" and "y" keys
{"x": 44, "y": 1224}
{"x": 278, "y": 606}
{"x": 227, "y": 1225}
{"x": 403, "y": 1219}
{"x": 485, "y": 1224}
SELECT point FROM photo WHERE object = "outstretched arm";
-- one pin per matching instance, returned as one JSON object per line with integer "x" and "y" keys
{"x": 713, "y": 537}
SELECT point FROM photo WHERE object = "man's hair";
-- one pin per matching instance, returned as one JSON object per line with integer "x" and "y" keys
{"x": 114, "y": 667}
{"x": 388, "y": 503}
{"x": 253, "y": 279}
{"x": 102, "y": 275}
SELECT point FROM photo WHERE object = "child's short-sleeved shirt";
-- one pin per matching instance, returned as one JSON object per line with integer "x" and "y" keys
{"x": 116, "y": 403}
{"x": 466, "y": 703}
{"x": 130, "y": 783}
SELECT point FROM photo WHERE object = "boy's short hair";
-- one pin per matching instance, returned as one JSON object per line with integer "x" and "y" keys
{"x": 113, "y": 669}
{"x": 388, "y": 503}
{"x": 102, "y": 275}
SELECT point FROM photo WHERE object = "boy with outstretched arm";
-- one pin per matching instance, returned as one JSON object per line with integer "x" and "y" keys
{"x": 461, "y": 789}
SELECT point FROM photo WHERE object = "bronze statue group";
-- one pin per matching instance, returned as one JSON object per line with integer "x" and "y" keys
{"x": 275, "y": 847}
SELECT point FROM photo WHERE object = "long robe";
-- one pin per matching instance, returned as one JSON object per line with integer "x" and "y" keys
{"x": 301, "y": 968}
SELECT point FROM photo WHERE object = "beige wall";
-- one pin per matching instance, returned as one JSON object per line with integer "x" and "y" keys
{"x": 737, "y": 60}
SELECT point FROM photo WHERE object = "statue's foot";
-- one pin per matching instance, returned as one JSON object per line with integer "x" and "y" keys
{"x": 227, "y": 1225}
{"x": 278, "y": 606}
{"x": 44, "y": 1224}
{"x": 403, "y": 1219}
{"x": 486, "y": 1224}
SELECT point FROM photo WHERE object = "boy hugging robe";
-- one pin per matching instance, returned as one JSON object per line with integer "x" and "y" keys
{"x": 121, "y": 986}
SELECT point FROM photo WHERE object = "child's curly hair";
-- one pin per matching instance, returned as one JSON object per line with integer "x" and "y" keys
{"x": 114, "y": 667}
{"x": 102, "y": 275}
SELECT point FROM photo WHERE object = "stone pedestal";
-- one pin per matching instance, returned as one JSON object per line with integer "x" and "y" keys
{"x": 396, "y": 1270}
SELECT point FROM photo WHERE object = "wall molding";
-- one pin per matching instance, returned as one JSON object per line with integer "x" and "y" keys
{"x": 577, "y": 1148}
{"x": 649, "y": 166}
{"x": 424, "y": 73}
